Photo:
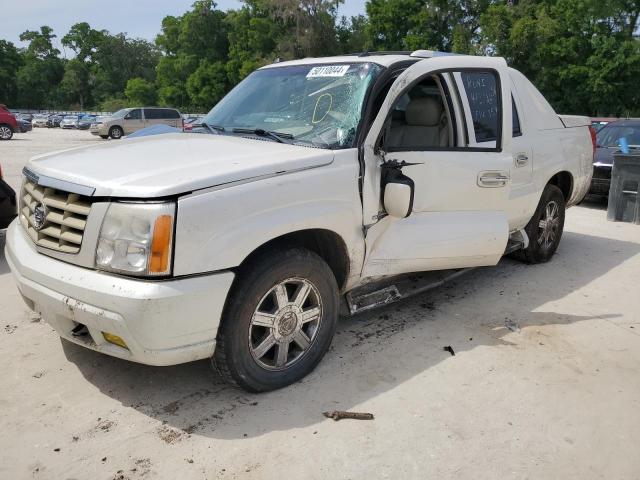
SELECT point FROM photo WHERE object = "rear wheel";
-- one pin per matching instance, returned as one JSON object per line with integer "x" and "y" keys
{"x": 545, "y": 227}
{"x": 116, "y": 133}
{"x": 279, "y": 321}
{"x": 6, "y": 132}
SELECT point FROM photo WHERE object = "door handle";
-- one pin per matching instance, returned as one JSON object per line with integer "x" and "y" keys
{"x": 521, "y": 159}
{"x": 492, "y": 179}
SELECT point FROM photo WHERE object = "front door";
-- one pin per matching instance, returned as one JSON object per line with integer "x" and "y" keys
{"x": 133, "y": 121}
{"x": 459, "y": 215}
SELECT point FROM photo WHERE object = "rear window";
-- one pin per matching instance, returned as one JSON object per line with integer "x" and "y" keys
{"x": 610, "y": 135}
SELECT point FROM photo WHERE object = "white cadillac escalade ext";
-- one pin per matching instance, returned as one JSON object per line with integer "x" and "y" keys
{"x": 315, "y": 184}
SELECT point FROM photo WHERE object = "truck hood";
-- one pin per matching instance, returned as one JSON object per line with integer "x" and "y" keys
{"x": 176, "y": 163}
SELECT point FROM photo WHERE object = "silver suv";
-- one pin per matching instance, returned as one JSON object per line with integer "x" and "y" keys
{"x": 129, "y": 120}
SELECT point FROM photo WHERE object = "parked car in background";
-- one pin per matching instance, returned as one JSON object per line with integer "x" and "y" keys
{"x": 129, "y": 120}
{"x": 54, "y": 120}
{"x": 607, "y": 143}
{"x": 8, "y": 206}
{"x": 190, "y": 122}
{"x": 24, "y": 126}
{"x": 317, "y": 177}
{"x": 85, "y": 122}
{"x": 69, "y": 121}
{"x": 8, "y": 123}
{"x": 39, "y": 121}
{"x": 598, "y": 122}
{"x": 25, "y": 116}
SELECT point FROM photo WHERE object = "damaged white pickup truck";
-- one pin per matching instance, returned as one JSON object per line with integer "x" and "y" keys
{"x": 314, "y": 184}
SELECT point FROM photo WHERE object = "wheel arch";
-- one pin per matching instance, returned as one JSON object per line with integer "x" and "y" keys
{"x": 564, "y": 181}
{"x": 327, "y": 244}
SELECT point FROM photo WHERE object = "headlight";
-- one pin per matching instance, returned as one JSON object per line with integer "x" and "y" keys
{"x": 137, "y": 239}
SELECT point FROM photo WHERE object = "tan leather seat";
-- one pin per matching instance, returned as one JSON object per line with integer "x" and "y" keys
{"x": 424, "y": 126}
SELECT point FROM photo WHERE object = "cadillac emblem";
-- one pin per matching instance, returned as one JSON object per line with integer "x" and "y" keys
{"x": 39, "y": 216}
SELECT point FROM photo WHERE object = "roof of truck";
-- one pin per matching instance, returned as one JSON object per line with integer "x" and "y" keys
{"x": 386, "y": 59}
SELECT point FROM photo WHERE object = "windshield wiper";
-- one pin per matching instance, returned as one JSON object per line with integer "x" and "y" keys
{"x": 277, "y": 136}
{"x": 215, "y": 129}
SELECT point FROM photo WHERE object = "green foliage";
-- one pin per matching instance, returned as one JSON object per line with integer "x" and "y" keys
{"x": 140, "y": 92}
{"x": 207, "y": 85}
{"x": 584, "y": 55}
{"x": 112, "y": 104}
{"x": 75, "y": 83}
{"x": 10, "y": 62}
{"x": 580, "y": 53}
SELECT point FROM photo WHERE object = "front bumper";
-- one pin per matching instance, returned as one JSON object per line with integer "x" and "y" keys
{"x": 98, "y": 129}
{"x": 601, "y": 180}
{"x": 162, "y": 322}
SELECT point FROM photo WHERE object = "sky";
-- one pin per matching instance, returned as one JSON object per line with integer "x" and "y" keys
{"x": 138, "y": 18}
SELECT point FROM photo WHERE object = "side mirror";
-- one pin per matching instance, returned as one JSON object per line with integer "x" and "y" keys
{"x": 127, "y": 116}
{"x": 398, "y": 193}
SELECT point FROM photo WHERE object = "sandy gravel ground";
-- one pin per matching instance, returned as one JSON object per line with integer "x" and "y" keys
{"x": 556, "y": 396}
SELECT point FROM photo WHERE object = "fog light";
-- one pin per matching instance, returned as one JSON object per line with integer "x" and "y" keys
{"x": 115, "y": 339}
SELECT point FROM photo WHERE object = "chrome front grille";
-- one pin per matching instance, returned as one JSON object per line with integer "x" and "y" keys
{"x": 53, "y": 218}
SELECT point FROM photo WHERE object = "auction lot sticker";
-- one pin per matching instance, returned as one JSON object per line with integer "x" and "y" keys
{"x": 328, "y": 71}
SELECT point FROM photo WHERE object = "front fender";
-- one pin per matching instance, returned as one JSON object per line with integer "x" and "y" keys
{"x": 217, "y": 229}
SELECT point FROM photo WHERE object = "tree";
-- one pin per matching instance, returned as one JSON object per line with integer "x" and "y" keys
{"x": 140, "y": 92}
{"x": 200, "y": 35}
{"x": 75, "y": 83}
{"x": 10, "y": 62}
{"x": 84, "y": 40}
{"x": 577, "y": 52}
{"x": 41, "y": 71}
{"x": 207, "y": 85}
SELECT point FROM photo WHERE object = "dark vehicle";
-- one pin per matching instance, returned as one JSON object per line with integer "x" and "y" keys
{"x": 24, "y": 126}
{"x": 8, "y": 208}
{"x": 8, "y": 123}
{"x": 54, "y": 120}
{"x": 607, "y": 143}
{"x": 85, "y": 121}
{"x": 25, "y": 116}
{"x": 598, "y": 122}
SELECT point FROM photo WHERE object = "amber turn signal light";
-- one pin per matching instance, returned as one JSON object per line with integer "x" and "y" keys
{"x": 160, "y": 245}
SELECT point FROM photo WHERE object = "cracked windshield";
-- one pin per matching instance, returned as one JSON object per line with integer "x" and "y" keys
{"x": 317, "y": 105}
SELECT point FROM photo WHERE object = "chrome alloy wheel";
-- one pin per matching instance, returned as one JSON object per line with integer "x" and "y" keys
{"x": 285, "y": 323}
{"x": 5, "y": 133}
{"x": 549, "y": 225}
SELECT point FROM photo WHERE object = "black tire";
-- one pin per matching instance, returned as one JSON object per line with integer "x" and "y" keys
{"x": 6, "y": 132}
{"x": 104, "y": 137}
{"x": 116, "y": 132}
{"x": 541, "y": 247}
{"x": 239, "y": 339}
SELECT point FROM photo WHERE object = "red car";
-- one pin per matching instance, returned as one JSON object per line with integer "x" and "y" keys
{"x": 8, "y": 123}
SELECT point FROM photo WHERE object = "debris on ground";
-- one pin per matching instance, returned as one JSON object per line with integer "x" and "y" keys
{"x": 339, "y": 415}
{"x": 511, "y": 325}
{"x": 449, "y": 349}
{"x": 10, "y": 328}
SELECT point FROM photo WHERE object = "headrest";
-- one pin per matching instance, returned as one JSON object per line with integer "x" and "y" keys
{"x": 423, "y": 112}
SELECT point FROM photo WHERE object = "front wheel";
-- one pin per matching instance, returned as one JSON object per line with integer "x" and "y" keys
{"x": 6, "y": 132}
{"x": 278, "y": 322}
{"x": 116, "y": 133}
{"x": 545, "y": 227}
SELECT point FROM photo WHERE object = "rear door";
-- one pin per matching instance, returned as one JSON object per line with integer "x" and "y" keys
{"x": 462, "y": 188}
